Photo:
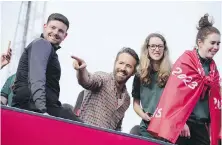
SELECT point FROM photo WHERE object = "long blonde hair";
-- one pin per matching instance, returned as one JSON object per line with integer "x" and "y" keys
{"x": 145, "y": 66}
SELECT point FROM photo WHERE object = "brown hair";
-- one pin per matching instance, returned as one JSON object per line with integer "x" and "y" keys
{"x": 205, "y": 28}
{"x": 59, "y": 17}
{"x": 145, "y": 66}
{"x": 130, "y": 52}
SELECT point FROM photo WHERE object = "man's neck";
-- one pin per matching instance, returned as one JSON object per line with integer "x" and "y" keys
{"x": 119, "y": 86}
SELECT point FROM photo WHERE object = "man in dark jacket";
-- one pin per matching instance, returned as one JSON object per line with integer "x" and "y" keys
{"x": 38, "y": 74}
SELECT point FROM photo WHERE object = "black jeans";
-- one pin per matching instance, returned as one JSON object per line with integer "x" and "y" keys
{"x": 199, "y": 134}
{"x": 57, "y": 111}
{"x": 63, "y": 113}
{"x": 23, "y": 100}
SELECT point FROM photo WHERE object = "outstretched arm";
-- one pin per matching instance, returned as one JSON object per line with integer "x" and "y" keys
{"x": 86, "y": 80}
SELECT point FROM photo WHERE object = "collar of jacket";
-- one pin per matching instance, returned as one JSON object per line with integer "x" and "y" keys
{"x": 203, "y": 60}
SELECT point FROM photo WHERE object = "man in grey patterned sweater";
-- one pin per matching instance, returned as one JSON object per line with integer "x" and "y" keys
{"x": 106, "y": 98}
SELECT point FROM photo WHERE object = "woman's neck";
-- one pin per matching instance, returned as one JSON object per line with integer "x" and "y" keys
{"x": 201, "y": 53}
{"x": 156, "y": 65}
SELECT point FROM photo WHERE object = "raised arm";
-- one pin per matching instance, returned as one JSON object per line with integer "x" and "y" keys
{"x": 6, "y": 58}
{"x": 85, "y": 79}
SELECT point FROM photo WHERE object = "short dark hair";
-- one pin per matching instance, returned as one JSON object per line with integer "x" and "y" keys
{"x": 59, "y": 17}
{"x": 205, "y": 28}
{"x": 130, "y": 52}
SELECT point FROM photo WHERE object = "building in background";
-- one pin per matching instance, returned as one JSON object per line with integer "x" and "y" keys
{"x": 30, "y": 20}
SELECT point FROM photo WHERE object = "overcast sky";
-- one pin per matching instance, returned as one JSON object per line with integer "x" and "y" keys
{"x": 98, "y": 30}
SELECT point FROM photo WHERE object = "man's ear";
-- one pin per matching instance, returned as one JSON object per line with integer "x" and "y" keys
{"x": 135, "y": 71}
{"x": 66, "y": 35}
{"x": 44, "y": 26}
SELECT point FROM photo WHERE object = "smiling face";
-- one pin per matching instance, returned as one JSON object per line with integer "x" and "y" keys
{"x": 209, "y": 46}
{"x": 55, "y": 31}
{"x": 124, "y": 68}
{"x": 156, "y": 48}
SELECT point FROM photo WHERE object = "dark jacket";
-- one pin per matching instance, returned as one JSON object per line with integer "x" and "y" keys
{"x": 37, "y": 76}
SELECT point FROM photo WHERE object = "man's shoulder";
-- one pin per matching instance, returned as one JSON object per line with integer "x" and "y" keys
{"x": 40, "y": 42}
{"x": 103, "y": 74}
{"x": 40, "y": 45}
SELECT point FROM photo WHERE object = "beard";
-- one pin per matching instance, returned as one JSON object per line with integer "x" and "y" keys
{"x": 121, "y": 76}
